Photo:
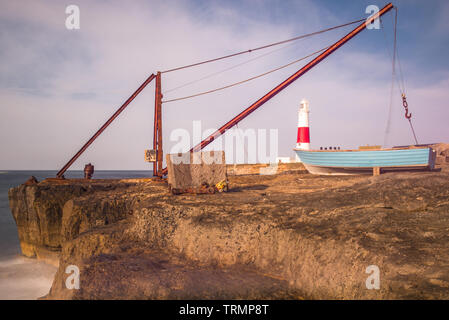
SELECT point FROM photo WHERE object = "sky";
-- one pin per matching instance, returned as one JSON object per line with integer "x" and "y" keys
{"x": 58, "y": 86}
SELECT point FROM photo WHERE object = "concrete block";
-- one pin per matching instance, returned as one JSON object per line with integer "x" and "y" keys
{"x": 187, "y": 170}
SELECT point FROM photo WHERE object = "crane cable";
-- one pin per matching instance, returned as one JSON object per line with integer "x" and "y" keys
{"x": 227, "y": 69}
{"x": 263, "y": 47}
{"x": 393, "y": 78}
{"x": 401, "y": 85}
{"x": 246, "y": 80}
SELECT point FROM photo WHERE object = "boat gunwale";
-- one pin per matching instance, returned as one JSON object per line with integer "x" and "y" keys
{"x": 422, "y": 165}
{"x": 364, "y": 150}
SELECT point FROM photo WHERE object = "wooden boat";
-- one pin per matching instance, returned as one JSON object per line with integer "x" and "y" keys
{"x": 363, "y": 161}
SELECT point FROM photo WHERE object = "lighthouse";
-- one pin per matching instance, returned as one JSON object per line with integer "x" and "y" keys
{"x": 303, "y": 138}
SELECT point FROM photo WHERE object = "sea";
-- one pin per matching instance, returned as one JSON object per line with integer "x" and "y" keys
{"x": 24, "y": 278}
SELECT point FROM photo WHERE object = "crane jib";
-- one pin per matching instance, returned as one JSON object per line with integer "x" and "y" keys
{"x": 288, "y": 81}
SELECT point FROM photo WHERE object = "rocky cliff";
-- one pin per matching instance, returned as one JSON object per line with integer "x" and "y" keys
{"x": 278, "y": 236}
{"x": 45, "y": 217}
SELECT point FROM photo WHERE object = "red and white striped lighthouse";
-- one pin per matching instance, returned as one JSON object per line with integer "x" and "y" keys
{"x": 303, "y": 138}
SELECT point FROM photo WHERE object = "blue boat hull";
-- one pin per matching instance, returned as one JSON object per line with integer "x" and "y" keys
{"x": 363, "y": 161}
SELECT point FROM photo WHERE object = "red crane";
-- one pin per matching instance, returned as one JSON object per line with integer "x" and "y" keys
{"x": 157, "y": 138}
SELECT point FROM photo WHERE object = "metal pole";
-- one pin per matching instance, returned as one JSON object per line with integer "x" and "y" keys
{"x": 160, "y": 152}
{"x": 104, "y": 126}
{"x": 155, "y": 128}
{"x": 288, "y": 81}
{"x": 157, "y": 134}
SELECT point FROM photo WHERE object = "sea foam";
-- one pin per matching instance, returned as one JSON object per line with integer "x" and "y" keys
{"x": 24, "y": 278}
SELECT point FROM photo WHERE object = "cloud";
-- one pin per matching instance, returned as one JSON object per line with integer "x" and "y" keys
{"x": 59, "y": 86}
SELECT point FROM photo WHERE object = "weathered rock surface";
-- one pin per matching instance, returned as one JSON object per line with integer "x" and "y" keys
{"x": 45, "y": 217}
{"x": 281, "y": 236}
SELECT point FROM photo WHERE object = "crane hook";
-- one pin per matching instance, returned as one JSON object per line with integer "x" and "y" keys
{"x": 405, "y": 104}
